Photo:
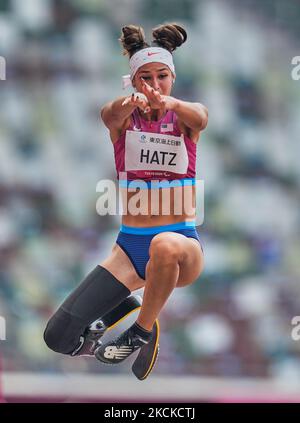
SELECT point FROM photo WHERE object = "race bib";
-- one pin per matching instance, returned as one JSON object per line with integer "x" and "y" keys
{"x": 156, "y": 152}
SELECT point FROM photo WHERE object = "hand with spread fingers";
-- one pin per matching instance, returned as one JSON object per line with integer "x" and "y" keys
{"x": 138, "y": 100}
{"x": 155, "y": 99}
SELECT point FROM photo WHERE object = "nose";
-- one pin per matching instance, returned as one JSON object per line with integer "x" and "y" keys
{"x": 155, "y": 84}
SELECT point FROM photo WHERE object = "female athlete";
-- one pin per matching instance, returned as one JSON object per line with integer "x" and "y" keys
{"x": 154, "y": 136}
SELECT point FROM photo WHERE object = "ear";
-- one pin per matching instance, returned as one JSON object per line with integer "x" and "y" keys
{"x": 133, "y": 83}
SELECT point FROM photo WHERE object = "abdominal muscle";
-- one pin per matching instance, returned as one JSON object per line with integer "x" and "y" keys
{"x": 156, "y": 207}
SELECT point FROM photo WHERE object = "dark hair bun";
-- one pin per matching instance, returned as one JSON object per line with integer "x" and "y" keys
{"x": 133, "y": 39}
{"x": 169, "y": 36}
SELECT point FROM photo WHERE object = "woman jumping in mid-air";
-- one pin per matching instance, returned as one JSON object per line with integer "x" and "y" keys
{"x": 154, "y": 136}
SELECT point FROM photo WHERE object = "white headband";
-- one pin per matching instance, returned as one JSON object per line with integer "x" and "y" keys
{"x": 148, "y": 55}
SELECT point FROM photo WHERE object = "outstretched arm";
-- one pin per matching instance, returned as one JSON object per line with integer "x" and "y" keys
{"x": 115, "y": 113}
{"x": 193, "y": 115}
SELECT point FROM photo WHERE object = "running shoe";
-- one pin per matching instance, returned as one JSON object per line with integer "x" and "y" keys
{"x": 117, "y": 350}
{"x": 90, "y": 340}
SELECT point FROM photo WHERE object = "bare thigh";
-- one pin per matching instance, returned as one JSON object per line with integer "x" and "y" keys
{"x": 121, "y": 267}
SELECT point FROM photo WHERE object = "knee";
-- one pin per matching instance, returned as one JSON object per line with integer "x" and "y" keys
{"x": 62, "y": 333}
{"x": 51, "y": 337}
{"x": 165, "y": 248}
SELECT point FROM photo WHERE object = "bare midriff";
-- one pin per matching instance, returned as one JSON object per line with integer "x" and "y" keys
{"x": 156, "y": 207}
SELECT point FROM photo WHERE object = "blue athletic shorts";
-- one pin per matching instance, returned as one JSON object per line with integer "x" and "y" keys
{"x": 135, "y": 241}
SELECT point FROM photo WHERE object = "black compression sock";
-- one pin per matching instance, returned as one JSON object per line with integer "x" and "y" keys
{"x": 98, "y": 294}
{"x": 143, "y": 333}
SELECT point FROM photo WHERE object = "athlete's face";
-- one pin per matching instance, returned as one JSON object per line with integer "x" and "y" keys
{"x": 157, "y": 75}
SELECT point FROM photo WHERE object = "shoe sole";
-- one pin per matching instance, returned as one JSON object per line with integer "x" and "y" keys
{"x": 137, "y": 367}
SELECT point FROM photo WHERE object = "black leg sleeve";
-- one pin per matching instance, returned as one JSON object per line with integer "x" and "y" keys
{"x": 98, "y": 294}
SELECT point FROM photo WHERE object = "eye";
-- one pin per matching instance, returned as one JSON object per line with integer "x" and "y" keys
{"x": 162, "y": 76}
{"x": 146, "y": 78}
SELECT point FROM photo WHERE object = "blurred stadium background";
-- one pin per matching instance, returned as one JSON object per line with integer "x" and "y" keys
{"x": 228, "y": 336}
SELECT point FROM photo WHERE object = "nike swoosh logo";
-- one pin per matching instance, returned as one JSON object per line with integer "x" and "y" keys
{"x": 151, "y": 54}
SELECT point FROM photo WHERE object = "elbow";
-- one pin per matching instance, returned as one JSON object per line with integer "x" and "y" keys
{"x": 101, "y": 113}
{"x": 106, "y": 110}
{"x": 105, "y": 114}
{"x": 203, "y": 117}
